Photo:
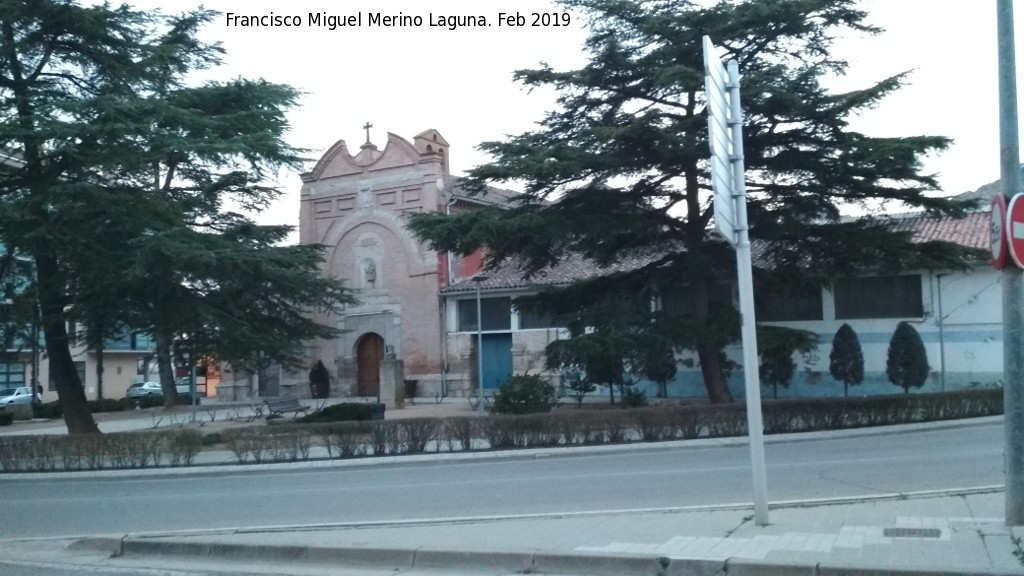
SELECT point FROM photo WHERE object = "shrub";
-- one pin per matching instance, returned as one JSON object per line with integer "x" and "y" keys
{"x": 846, "y": 361}
{"x": 48, "y": 411}
{"x": 345, "y": 439}
{"x": 319, "y": 380}
{"x": 524, "y": 394}
{"x": 345, "y": 411}
{"x": 6, "y": 418}
{"x": 633, "y": 398}
{"x": 576, "y": 381}
{"x": 182, "y": 446}
{"x": 907, "y": 363}
{"x": 106, "y": 405}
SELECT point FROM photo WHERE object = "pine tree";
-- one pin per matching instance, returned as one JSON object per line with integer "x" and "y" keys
{"x": 123, "y": 172}
{"x": 618, "y": 172}
{"x": 907, "y": 361}
{"x": 846, "y": 361}
{"x": 777, "y": 346}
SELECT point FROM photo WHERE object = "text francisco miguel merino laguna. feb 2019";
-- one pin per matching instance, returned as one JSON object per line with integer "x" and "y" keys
{"x": 330, "y": 21}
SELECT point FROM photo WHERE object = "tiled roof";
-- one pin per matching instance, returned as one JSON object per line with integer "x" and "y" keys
{"x": 491, "y": 195}
{"x": 971, "y": 231}
{"x": 574, "y": 267}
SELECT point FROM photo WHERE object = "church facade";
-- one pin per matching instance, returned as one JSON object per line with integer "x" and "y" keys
{"x": 355, "y": 205}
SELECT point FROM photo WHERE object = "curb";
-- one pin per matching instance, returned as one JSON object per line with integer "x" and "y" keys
{"x": 440, "y": 560}
{"x": 526, "y": 453}
{"x": 530, "y": 562}
{"x": 415, "y": 522}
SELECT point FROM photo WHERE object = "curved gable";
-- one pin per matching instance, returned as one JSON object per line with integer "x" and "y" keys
{"x": 338, "y": 161}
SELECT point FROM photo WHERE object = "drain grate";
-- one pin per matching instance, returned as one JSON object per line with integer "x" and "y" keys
{"x": 912, "y": 533}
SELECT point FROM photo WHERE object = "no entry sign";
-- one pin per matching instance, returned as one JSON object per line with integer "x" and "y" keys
{"x": 1015, "y": 229}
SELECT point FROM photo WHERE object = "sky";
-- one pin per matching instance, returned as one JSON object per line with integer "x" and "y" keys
{"x": 405, "y": 80}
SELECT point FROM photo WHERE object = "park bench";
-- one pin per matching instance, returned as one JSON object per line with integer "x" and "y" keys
{"x": 279, "y": 406}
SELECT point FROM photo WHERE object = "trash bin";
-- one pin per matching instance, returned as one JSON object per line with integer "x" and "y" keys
{"x": 377, "y": 411}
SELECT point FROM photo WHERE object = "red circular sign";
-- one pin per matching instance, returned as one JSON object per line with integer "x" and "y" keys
{"x": 1014, "y": 230}
{"x": 998, "y": 242}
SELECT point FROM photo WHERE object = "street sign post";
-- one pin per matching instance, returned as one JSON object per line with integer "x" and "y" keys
{"x": 725, "y": 134}
{"x": 999, "y": 245}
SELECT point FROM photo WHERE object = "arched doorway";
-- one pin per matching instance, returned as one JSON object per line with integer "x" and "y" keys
{"x": 369, "y": 353}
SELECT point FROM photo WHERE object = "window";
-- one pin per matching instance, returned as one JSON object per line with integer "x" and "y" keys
{"x": 530, "y": 320}
{"x": 879, "y": 297}
{"x": 79, "y": 367}
{"x": 497, "y": 314}
{"x": 677, "y": 301}
{"x": 791, "y": 305}
{"x": 12, "y": 375}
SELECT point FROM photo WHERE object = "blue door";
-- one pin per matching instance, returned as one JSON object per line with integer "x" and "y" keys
{"x": 497, "y": 360}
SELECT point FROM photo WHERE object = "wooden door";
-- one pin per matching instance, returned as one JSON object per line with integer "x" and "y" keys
{"x": 369, "y": 353}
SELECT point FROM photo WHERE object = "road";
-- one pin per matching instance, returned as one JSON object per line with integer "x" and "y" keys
{"x": 853, "y": 466}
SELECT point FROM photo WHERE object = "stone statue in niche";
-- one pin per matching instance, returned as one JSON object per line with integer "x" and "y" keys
{"x": 370, "y": 274}
{"x": 365, "y": 196}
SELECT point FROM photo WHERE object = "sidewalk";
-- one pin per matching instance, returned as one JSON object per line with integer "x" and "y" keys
{"x": 923, "y": 534}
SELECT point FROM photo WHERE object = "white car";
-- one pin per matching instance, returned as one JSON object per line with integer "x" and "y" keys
{"x": 140, "y": 389}
{"x": 22, "y": 395}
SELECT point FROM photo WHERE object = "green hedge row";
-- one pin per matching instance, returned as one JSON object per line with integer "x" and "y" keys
{"x": 45, "y": 453}
{"x": 569, "y": 427}
{"x": 566, "y": 427}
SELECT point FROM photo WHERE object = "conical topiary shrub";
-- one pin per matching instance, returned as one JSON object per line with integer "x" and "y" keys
{"x": 846, "y": 362}
{"x": 907, "y": 364}
{"x": 319, "y": 380}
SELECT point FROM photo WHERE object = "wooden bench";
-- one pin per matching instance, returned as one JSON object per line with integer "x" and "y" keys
{"x": 279, "y": 406}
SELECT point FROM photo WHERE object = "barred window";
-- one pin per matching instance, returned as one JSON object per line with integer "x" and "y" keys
{"x": 790, "y": 305}
{"x": 496, "y": 312}
{"x": 879, "y": 297}
{"x": 12, "y": 375}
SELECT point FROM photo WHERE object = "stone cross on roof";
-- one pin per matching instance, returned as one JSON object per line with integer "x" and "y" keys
{"x": 367, "y": 128}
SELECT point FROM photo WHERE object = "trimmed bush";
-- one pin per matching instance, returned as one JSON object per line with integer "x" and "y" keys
{"x": 846, "y": 361}
{"x": 48, "y": 411}
{"x": 907, "y": 363}
{"x": 346, "y": 411}
{"x": 524, "y": 394}
{"x": 6, "y": 418}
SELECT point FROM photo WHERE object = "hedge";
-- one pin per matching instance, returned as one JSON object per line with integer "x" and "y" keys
{"x": 566, "y": 427}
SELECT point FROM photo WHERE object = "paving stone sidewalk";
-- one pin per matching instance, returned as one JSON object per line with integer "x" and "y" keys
{"x": 926, "y": 534}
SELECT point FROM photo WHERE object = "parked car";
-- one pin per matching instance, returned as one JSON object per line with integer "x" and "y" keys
{"x": 22, "y": 395}
{"x": 141, "y": 389}
{"x": 183, "y": 385}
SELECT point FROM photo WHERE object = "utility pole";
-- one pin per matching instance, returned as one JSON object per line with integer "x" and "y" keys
{"x": 1011, "y": 279}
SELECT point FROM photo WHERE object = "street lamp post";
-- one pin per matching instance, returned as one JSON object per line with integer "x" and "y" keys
{"x": 479, "y": 278}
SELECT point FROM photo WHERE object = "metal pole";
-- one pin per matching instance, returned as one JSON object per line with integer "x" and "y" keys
{"x": 479, "y": 352}
{"x": 746, "y": 289}
{"x": 942, "y": 338}
{"x": 35, "y": 352}
{"x": 1013, "y": 285}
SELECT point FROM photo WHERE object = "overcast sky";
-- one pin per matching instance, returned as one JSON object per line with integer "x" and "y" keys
{"x": 407, "y": 79}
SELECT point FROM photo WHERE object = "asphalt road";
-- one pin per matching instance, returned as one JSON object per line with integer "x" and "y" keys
{"x": 924, "y": 460}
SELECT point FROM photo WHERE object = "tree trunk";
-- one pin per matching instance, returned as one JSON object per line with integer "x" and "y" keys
{"x": 709, "y": 354}
{"x": 163, "y": 361}
{"x": 99, "y": 368}
{"x": 714, "y": 375}
{"x": 73, "y": 402}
